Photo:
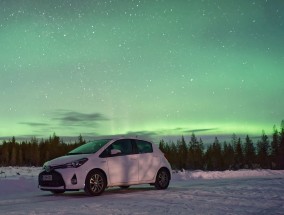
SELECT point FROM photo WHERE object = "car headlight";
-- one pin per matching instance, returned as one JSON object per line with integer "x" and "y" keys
{"x": 76, "y": 163}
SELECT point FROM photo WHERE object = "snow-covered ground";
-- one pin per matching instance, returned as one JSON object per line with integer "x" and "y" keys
{"x": 196, "y": 192}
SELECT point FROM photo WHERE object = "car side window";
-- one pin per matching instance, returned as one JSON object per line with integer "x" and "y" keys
{"x": 125, "y": 146}
{"x": 144, "y": 147}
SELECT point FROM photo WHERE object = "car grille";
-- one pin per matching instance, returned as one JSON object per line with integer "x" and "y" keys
{"x": 57, "y": 180}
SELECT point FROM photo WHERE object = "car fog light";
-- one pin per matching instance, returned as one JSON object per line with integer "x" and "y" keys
{"x": 74, "y": 179}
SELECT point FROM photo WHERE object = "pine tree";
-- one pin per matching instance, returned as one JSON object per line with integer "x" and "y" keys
{"x": 208, "y": 159}
{"x": 200, "y": 155}
{"x": 217, "y": 155}
{"x": 281, "y": 147}
{"x": 81, "y": 140}
{"x": 228, "y": 155}
{"x": 20, "y": 156}
{"x": 162, "y": 145}
{"x": 174, "y": 156}
{"x": 13, "y": 160}
{"x": 35, "y": 152}
{"x": 195, "y": 153}
{"x": 239, "y": 157}
{"x": 234, "y": 141}
{"x": 249, "y": 152}
{"x": 182, "y": 152}
{"x": 213, "y": 156}
{"x": 1, "y": 155}
{"x": 193, "y": 144}
{"x": 5, "y": 154}
{"x": 263, "y": 151}
{"x": 54, "y": 142}
{"x": 275, "y": 148}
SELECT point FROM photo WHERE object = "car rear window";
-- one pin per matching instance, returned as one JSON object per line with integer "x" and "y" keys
{"x": 144, "y": 147}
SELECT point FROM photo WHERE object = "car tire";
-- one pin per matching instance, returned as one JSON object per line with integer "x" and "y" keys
{"x": 57, "y": 191}
{"x": 124, "y": 187}
{"x": 162, "y": 179}
{"x": 95, "y": 183}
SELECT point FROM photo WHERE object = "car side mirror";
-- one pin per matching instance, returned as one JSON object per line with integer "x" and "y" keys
{"x": 115, "y": 152}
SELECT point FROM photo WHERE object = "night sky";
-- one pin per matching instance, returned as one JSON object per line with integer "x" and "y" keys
{"x": 148, "y": 68}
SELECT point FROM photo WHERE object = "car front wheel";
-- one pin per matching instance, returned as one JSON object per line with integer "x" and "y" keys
{"x": 162, "y": 179}
{"x": 95, "y": 183}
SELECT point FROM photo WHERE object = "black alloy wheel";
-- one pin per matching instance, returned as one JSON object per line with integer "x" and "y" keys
{"x": 162, "y": 179}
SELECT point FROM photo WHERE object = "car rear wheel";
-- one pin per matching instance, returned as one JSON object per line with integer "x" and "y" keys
{"x": 162, "y": 179}
{"x": 95, "y": 183}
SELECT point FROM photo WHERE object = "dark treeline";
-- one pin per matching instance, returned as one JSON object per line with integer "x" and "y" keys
{"x": 227, "y": 155}
{"x": 34, "y": 152}
{"x": 235, "y": 154}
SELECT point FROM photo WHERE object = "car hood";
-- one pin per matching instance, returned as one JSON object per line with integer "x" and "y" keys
{"x": 65, "y": 159}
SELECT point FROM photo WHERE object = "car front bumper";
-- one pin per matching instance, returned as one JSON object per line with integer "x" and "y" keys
{"x": 62, "y": 179}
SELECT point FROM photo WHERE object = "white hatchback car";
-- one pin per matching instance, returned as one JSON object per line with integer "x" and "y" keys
{"x": 106, "y": 163}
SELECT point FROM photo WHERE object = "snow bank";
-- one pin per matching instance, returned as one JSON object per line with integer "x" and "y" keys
{"x": 31, "y": 172}
{"x": 17, "y": 172}
{"x": 189, "y": 193}
{"x": 198, "y": 174}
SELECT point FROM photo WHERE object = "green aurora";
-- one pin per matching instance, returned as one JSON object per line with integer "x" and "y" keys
{"x": 152, "y": 68}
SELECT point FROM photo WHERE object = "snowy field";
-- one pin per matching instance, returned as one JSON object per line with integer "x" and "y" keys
{"x": 197, "y": 192}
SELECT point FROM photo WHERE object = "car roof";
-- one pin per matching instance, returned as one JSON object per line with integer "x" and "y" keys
{"x": 132, "y": 138}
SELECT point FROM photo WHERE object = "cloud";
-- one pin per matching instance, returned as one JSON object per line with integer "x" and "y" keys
{"x": 67, "y": 122}
{"x": 142, "y": 133}
{"x": 167, "y": 132}
{"x": 200, "y": 130}
{"x": 34, "y": 124}
{"x": 73, "y": 118}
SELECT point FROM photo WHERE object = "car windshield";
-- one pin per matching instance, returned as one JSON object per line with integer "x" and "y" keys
{"x": 89, "y": 148}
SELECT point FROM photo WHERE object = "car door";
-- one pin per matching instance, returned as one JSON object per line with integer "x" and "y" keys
{"x": 148, "y": 161}
{"x": 122, "y": 167}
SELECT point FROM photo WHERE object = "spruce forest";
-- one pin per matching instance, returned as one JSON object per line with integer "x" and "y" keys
{"x": 266, "y": 153}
